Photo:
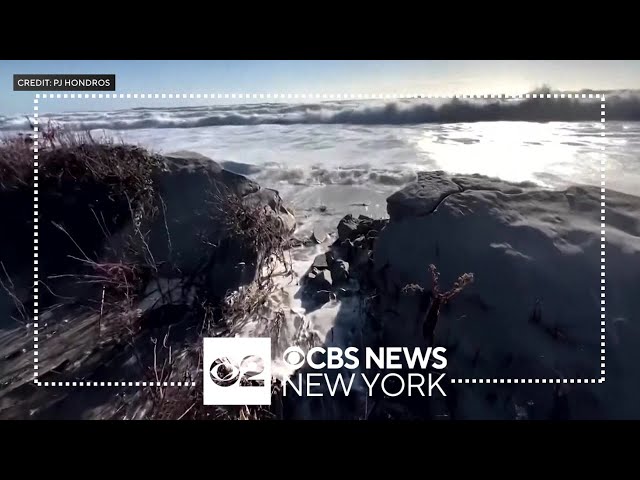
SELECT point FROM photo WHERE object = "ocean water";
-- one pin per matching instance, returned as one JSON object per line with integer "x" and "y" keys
{"x": 345, "y": 166}
{"x": 350, "y": 155}
{"x": 381, "y": 144}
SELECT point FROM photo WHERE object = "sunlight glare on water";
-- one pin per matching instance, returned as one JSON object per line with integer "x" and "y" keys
{"x": 513, "y": 151}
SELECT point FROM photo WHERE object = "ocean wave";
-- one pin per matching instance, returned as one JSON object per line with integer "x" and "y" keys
{"x": 354, "y": 175}
{"x": 619, "y": 107}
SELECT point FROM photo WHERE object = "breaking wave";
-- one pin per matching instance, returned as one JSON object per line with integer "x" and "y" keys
{"x": 621, "y": 106}
{"x": 317, "y": 175}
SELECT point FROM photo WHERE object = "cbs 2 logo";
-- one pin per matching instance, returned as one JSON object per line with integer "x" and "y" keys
{"x": 225, "y": 373}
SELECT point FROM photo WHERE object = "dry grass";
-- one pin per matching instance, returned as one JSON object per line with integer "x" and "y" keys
{"x": 119, "y": 278}
{"x": 127, "y": 169}
{"x": 187, "y": 404}
{"x": 70, "y": 161}
{"x": 73, "y": 162}
{"x": 16, "y": 162}
{"x": 10, "y": 289}
{"x": 255, "y": 226}
{"x": 79, "y": 157}
{"x": 76, "y": 166}
{"x": 248, "y": 303}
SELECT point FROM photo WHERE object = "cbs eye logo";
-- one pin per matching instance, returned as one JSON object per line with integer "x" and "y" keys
{"x": 237, "y": 371}
{"x": 294, "y": 357}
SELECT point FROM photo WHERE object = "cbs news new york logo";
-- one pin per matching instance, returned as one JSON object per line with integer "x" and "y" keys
{"x": 237, "y": 371}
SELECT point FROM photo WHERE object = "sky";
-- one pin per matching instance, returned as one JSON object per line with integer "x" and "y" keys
{"x": 435, "y": 77}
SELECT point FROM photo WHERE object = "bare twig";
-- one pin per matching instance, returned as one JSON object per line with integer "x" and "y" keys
{"x": 164, "y": 216}
{"x": 11, "y": 292}
{"x": 136, "y": 219}
{"x": 187, "y": 411}
{"x": 438, "y": 299}
{"x": 63, "y": 230}
{"x": 101, "y": 313}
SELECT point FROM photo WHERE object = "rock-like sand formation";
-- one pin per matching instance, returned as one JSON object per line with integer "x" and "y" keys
{"x": 533, "y": 310}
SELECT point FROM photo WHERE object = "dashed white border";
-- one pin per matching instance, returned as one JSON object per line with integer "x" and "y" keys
{"x": 313, "y": 96}
{"x": 115, "y": 384}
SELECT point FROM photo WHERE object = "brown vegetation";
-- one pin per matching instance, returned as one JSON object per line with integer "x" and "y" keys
{"x": 254, "y": 225}
{"x": 435, "y": 299}
{"x": 110, "y": 185}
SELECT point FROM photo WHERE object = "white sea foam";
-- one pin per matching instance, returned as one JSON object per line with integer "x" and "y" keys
{"x": 382, "y": 158}
{"x": 620, "y": 106}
